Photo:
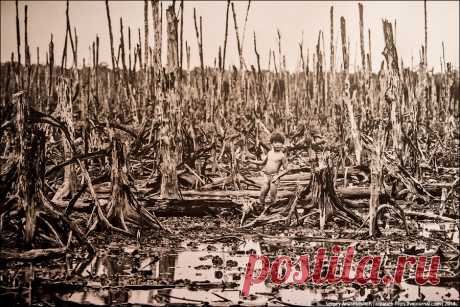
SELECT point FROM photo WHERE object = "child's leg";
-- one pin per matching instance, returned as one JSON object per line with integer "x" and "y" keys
{"x": 273, "y": 191}
{"x": 264, "y": 189}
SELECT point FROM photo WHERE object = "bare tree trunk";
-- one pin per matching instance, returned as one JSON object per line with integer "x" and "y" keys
{"x": 199, "y": 39}
{"x": 345, "y": 55}
{"x": 332, "y": 52}
{"x": 66, "y": 112}
{"x": 51, "y": 66}
{"x": 119, "y": 206}
{"x": 156, "y": 48}
{"x": 26, "y": 178}
{"x": 26, "y": 42}
{"x": 181, "y": 39}
{"x": 369, "y": 55}
{"x": 361, "y": 37}
{"x": 238, "y": 43}
{"x": 172, "y": 33}
{"x": 244, "y": 26}
{"x": 112, "y": 53}
{"x": 76, "y": 48}
{"x": 187, "y": 50}
{"x": 348, "y": 98}
{"x": 425, "y": 59}
{"x": 169, "y": 185}
{"x": 376, "y": 177}
{"x": 226, "y": 35}
{"x": 146, "y": 36}
{"x": 323, "y": 195}
{"x": 69, "y": 31}
{"x": 64, "y": 54}
{"x": 18, "y": 35}
{"x": 392, "y": 92}
{"x": 169, "y": 148}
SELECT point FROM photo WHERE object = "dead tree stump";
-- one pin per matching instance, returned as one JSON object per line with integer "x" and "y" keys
{"x": 31, "y": 154}
{"x": 324, "y": 196}
{"x": 124, "y": 206}
{"x": 119, "y": 206}
{"x": 30, "y": 203}
{"x": 169, "y": 185}
{"x": 66, "y": 113}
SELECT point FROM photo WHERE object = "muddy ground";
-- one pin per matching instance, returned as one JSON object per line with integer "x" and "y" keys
{"x": 203, "y": 262}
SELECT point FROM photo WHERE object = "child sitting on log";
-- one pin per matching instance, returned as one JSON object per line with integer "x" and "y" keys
{"x": 272, "y": 164}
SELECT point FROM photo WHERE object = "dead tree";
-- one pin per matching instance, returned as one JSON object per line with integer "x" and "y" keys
{"x": 40, "y": 220}
{"x": 323, "y": 196}
{"x": 170, "y": 124}
{"x": 199, "y": 38}
{"x": 157, "y": 27}
{"x": 18, "y": 37}
{"x": 332, "y": 51}
{"x": 226, "y": 35}
{"x": 361, "y": 37}
{"x": 343, "y": 32}
{"x": 369, "y": 55}
{"x": 348, "y": 98}
{"x": 376, "y": 184}
{"x": 393, "y": 85}
{"x": 146, "y": 36}
{"x": 238, "y": 42}
{"x": 112, "y": 53}
{"x": 124, "y": 206}
{"x": 425, "y": 59}
{"x": 26, "y": 42}
{"x": 66, "y": 112}
{"x": 30, "y": 176}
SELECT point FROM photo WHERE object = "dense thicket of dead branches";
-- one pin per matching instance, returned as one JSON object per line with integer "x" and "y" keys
{"x": 189, "y": 129}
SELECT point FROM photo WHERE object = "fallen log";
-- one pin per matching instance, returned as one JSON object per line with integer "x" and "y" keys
{"x": 230, "y": 194}
{"x": 201, "y": 203}
{"x": 435, "y": 189}
{"x": 33, "y": 254}
{"x": 192, "y": 207}
{"x": 348, "y": 192}
{"x": 361, "y": 173}
{"x": 285, "y": 190}
{"x": 428, "y": 215}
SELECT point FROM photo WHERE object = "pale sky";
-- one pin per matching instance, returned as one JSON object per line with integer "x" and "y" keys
{"x": 265, "y": 17}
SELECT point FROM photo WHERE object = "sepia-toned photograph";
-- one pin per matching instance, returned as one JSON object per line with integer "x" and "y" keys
{"x": 229, "y": 153}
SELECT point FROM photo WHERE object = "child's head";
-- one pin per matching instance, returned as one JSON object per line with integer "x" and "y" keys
{"x": 277, "y": 141}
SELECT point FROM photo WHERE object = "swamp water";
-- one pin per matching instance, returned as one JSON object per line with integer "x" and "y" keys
{"x": 193, "y": 273}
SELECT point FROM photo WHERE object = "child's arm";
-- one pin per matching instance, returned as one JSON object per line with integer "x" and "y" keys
{"x": 285, "y": 163}
{"x": 284, "y": 172}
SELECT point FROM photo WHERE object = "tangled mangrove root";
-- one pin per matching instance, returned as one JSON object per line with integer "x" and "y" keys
{"x": 39, "y": 223}
{"x": 123, "y": 207}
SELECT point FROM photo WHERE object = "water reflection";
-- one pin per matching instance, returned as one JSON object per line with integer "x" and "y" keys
{"x": 294, "y": 296}
{"x": 211, "y": 272}
{"x": 446, "y": 231}
{"x": 199, "y": 270}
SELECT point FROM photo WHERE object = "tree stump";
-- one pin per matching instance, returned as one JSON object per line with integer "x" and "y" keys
{"x": 169, "y": 186}
{"x": 29, "y": 203}
{"x": 66, "y": 113}
{"x": 324, "y": 196}
{"x": 124, "y": 206}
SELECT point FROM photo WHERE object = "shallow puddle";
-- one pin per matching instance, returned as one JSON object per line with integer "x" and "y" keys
{"x": 443, "y": 230}
{"x": 199, "y": 273}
